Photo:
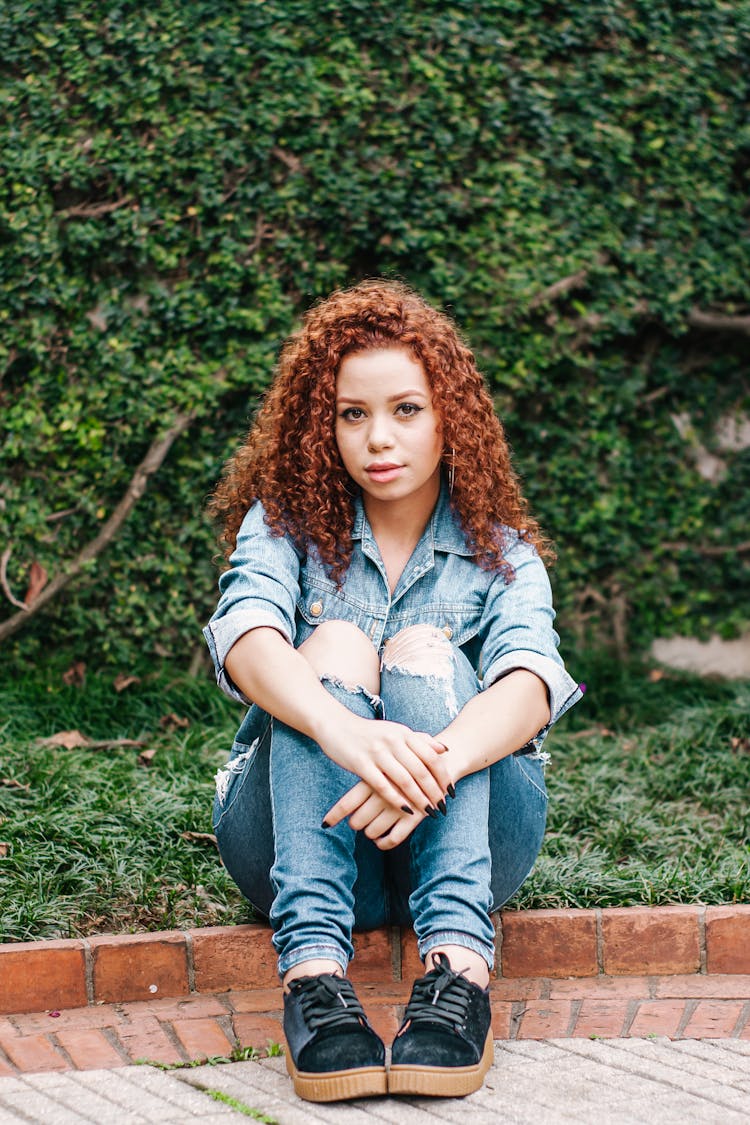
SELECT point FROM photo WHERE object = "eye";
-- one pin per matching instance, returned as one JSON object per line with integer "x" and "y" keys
{"x": 408, "y": 409}
{"x": 352, "y": 414}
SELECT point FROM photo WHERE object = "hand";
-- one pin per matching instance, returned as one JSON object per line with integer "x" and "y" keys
{"x": 401, "y": 767}
{"x": 367, "y": 812}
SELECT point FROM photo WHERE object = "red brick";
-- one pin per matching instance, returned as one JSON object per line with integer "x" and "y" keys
{"x": 411, "y": 964}
{"x": 89, "y": 1049}
{"x": 660, "y": 939}
{"x": 517, "y": 988}
{"x": 227, "y": 957}
{"x": 728, "y": 939}
{"x": 373, "y": 956}
{"x": 549, "y": 943}
{"x": 712, "y": 987}
{"x": 256, "y": 1000}
{"x": 202, "y": 1038}
{"x": 253, "y": 1030}
{"x": 176, "y": 1008}
{"x": 33, "y": 1054}
{"x": 501, "y": 1017}
{"x": 600, "y": 988}
{"x": 42, "y": 974}
{"x": 546, "y": 1019}
{"x": 139, "y": 966}
{"x": 657, "y": 1017}
{"x": 601, "y": 1017}
{"x": 392, "y": 992}
{"x": 714, "y": 1019}
{"x": 386, "y": 1020}
{"x": 147, "y": 1039}
{"x": 99, "y": 1015}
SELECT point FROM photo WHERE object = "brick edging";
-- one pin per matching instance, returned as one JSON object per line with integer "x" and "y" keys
{"x": 640, "y": 941}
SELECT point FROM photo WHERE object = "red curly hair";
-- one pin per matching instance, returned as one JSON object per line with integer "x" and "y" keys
{"x": 290, "y": 460}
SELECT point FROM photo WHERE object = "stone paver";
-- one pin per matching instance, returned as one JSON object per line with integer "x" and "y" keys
{"x": 539, "y": 1082}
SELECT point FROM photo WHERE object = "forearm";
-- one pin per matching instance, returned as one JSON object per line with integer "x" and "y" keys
{"x": 496, "y": 722}
{"x": 263, "y": 665}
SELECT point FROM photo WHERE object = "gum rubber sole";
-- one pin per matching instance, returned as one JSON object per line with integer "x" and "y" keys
{"x": 441, "y": 1081}
{"x": 338, "y": 1085}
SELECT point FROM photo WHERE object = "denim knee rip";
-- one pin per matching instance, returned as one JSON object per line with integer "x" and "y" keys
{"x": 355, "y": 689}
{"x": 424, "y": 651}
{"x": 234, "y": 766}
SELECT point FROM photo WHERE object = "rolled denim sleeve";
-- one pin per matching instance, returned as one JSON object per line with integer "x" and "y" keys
{"x": 518, "y": 631}
{"x": 261, "y": 587}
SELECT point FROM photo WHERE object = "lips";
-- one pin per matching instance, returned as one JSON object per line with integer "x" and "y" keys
{"x": 383, "y": 471}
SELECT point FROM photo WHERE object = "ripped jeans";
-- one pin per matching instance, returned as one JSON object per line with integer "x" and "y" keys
{"x": 316, "y": 885}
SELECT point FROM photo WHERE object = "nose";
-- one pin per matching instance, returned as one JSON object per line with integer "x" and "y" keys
{"x": 379, "y": 435}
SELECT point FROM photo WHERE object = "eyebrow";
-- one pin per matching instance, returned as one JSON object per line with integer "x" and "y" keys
{"x": 391, "y": 398}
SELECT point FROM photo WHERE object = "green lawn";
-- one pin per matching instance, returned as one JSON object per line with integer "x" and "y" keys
{"x": 649, "y": 785}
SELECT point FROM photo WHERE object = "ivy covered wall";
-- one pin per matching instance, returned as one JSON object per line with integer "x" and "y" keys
{"x": 181, "y": 180}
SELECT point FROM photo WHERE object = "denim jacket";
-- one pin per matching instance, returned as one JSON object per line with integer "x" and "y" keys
{"x": 499, "y": 625}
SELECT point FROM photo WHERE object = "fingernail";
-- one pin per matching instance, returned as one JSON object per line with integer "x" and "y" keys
{"x": 452, "y": 791}
{"x": 442, "y": 806}
{"x": 405, "y": 808}
{"x": 430, "y": 811}
{"x": 324, "y": 824}
{"x": 386, "y": 833}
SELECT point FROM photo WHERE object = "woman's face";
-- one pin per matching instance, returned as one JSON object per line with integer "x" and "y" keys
{"x": 387, "y": 430}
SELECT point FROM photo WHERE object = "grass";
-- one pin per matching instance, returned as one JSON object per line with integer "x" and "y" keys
{"x": 649, "y": 786}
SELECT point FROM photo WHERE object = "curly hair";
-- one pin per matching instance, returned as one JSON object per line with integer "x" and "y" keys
{"x": 290, "y": 460}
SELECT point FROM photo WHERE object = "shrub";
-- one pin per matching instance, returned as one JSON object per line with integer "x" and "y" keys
{"x": 181, "y": 181}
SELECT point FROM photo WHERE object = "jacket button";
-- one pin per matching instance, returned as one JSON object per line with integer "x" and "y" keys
{"x": 316, "y": 609}
{"x": 448, "y": 631}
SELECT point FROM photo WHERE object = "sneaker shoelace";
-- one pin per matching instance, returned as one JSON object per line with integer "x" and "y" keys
{"x": 441, "y": 997}
{"x": 328, "y": 1001}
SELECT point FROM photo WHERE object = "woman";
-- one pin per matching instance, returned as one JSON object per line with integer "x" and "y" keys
{"x": 387, "y": 613}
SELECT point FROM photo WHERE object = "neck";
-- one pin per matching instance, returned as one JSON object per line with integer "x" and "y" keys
{"x": 406, "y": 518}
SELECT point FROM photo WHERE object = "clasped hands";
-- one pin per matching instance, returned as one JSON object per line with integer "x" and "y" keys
{"x": 404, "y": 778}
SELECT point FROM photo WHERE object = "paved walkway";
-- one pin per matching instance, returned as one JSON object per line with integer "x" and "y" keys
{"x": 601, "y": 1082}
{"x": 200, "y": 1026}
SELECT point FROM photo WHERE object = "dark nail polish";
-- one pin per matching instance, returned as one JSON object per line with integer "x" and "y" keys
{"x": 430, "y": 811}
{"x": 325, "y": 824}
{"x": 405, "y": 808}
{"x": 442, "y": 806}
{"x": 386, "y": 833}
{"x": 452, "y": 791}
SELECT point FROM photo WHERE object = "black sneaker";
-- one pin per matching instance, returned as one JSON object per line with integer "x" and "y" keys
{"x": 444, "y": 1047}
{"x": 332, "y": 1052}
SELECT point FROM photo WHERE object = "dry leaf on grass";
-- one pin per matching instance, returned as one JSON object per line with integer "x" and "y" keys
{"x": 4, "y": 848}
{"x": 76, "y": 674}
{"x": 74, "y": 740}
{"x": 122, "y": 681}
{"x": 145, "y": 757}
{"x": 173, "y": 721}
{"x": 199, "y": 838}
{"x": 11, "y": 783}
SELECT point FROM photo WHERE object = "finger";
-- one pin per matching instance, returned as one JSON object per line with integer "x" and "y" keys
{"x": 396, "y": 835}
{"x": 425, "y": 769}
{"x": 381, "y": 826}
{"x": 367, "y": 812}
{"x": 347, "y": 804}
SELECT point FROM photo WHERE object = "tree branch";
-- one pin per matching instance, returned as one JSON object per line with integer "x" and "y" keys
{"x": 719, "y": 322}
{"x": 93, "y": 210}
{"x": 5, "y": 585}
{"x": 137, "y": 486}
{"x": 708, "y": 551}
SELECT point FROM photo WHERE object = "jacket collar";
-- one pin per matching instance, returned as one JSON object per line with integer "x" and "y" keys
{"x": 443, "y": 531}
